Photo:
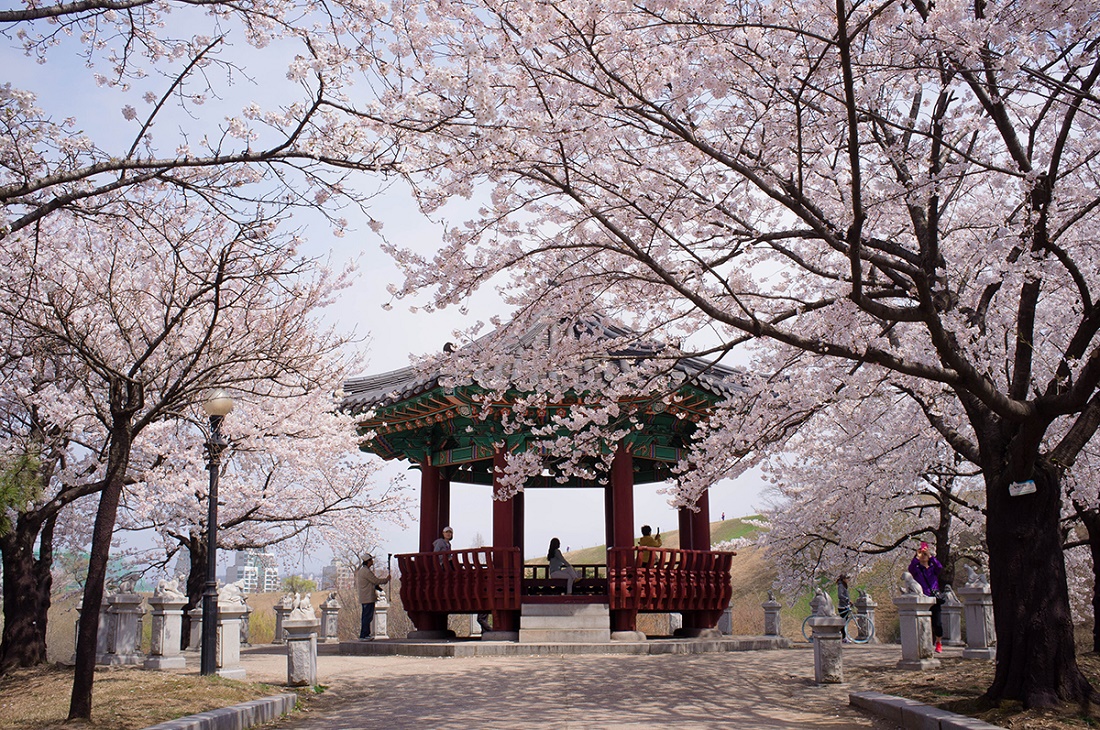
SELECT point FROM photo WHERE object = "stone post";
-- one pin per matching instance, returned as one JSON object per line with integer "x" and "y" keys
{"x": 828, "y": 664}
{"x": 246, "y": 625}
{"x": 771, "y": 616}
{"x": 281, "y": 610}
{"x": 951, "y": 618}
{"x": 194, "y": 642}
{"x": 164, "y": 651}
{"x": 102, "y": 639}
{"x": 865, "y": 606}
{"x": 475, "y": 627}
{"x": 123, "y": 647}
{"x": 330, "y": 614}
{"x": 725, "y": 622}
{"x": 380, "y": 623}
{"x": 915, "y": 622}
{"x": 301, "y": 651}
{"x": 980, "y": 633}
{"x": 227, "y": 655}
{"x": 675, "y": 622}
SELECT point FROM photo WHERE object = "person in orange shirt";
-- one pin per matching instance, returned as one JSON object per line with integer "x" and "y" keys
{"x": 648, "y": 539}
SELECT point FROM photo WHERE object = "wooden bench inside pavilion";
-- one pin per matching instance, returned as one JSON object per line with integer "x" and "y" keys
{"x": 411, "y": 415}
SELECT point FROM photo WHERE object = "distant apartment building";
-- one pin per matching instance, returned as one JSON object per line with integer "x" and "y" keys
{"x": 256, "y": 569}
{"x": 337, "y": 577}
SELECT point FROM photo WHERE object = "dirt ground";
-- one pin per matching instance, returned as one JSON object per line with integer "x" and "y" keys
{"x": 958, "y": 684}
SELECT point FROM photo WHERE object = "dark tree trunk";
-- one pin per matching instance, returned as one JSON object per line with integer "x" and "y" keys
{"x": 196, "y": 581}
{"x": 1091, "y": 520}
{"x": 126, "y": 399}
{"x": 1036, "y": 657}
{"x": 27, "y": 584}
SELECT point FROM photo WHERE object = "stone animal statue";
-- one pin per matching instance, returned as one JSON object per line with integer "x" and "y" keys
{"x": 910, "y": 585}
{"x": 169, "y": 587}
{"x": 974, "y": 578}
{"x": 822, "y": 603}
{"x": 231, "y": 593}
{"x": 287, "y": 601}
{"x": 303, "y": 609}
{"x": 125, "y": 584}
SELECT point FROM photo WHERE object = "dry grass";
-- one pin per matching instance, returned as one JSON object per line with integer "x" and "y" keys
{"x": 123, "y": 698}
{"x": 957, "y": 685}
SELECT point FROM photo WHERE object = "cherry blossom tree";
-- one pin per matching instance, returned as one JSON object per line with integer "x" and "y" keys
{"x": 293, "y": 476}
{"x": 904, "y": 187}
{"x": 888, "y": 481}
{"x": 157, "y": 299}
{"x": 176, "y": 123}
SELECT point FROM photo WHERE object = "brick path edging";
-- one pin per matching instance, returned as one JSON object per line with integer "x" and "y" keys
{"x": 237, "y": 717}
{"x": 913, "y": 715}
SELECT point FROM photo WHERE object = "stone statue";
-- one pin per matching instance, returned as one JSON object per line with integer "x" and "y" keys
{"x": 974, "y": 578}
{"x": 949, "y": 594}
{"x": 822, "y": 603}
{"x": 771, "y": 596}
{"x": 232, "y": 593}
{"x": 287, "y": 601}
{"x": 125, "y": 584}
{"x": 170, "y": 588}
{"x": 910, "y": 585}
{"x": 302, "y": 609}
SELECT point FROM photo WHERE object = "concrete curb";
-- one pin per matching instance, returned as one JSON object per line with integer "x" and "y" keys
{"x": 237, "y": 717}
{"x": 474, "y": 648}
{"x": 913, "y": 715}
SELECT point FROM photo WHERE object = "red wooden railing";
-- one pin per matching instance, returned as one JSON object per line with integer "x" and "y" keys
{"x": 461, "y": 581}
{"x": 488, "y": 579}
{"x": 671, "y": 580}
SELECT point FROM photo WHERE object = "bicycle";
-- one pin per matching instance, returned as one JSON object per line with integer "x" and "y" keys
{"x": 858, "y": 628}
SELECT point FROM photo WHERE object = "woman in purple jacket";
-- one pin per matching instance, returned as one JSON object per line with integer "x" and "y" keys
{"x": 926, "y": 570}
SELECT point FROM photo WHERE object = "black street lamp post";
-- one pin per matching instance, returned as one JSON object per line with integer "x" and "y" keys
{"x": 217, "y": 407}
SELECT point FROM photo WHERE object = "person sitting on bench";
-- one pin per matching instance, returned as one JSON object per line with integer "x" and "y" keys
{"x": 560, "y": 567}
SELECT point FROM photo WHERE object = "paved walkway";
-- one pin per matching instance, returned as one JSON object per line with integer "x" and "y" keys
{"x": 761, "y": 689}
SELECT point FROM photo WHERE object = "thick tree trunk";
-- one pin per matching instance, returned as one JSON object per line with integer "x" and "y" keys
{"x": 126, "y": 398}
{"x": 196, "y": 580}
{"x": 27, "y": 584}
{"x": 1036, "y": 657}
{"x": 1091, "y": 520}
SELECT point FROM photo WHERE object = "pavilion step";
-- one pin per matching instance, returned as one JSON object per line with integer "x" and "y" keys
{"x": 564, "y": 623}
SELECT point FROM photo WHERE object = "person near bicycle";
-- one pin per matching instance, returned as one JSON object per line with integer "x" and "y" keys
{"x": 843, "y": 603}
{"x": 926, "y": 570}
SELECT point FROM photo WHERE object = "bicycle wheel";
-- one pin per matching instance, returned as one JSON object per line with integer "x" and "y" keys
{"x": 807, "y": 630}
{"x": 859, "y": 629}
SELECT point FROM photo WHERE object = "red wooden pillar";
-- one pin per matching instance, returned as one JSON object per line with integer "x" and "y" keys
{"x": 430, "y": 487}
{"x": 620, "y": 505}
{"x": 507, "y": 532}
{"x": 695, "y": 535}
{"x": 695, "y": 526}
{"x": 435, "y": 502}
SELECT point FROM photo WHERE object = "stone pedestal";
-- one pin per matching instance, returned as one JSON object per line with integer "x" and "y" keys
{"x": 164, "y": 650}
{"x": 865, "y": 606}
{"x": 227, "y": 656}
{"x": 246, "y": 625}
{"x": 915, "y": 623}
{"x": 380, "y": 626}
{"x": 102, "y": 639}
{"x": 282, "y": 610}
{"x": 725, "y": 622}
{"x": 981, "y": 635}
{"x": 771, "y": 616}
{"x": 124, "y": 634}
{"x": 828, "y": 664}
{"x": 951, "y": 618}
{"x": 675, "y": 623}
{"x": 330, "y": 615}
{"x": 194, "y": 642}
{"x": 301, "y": 652}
